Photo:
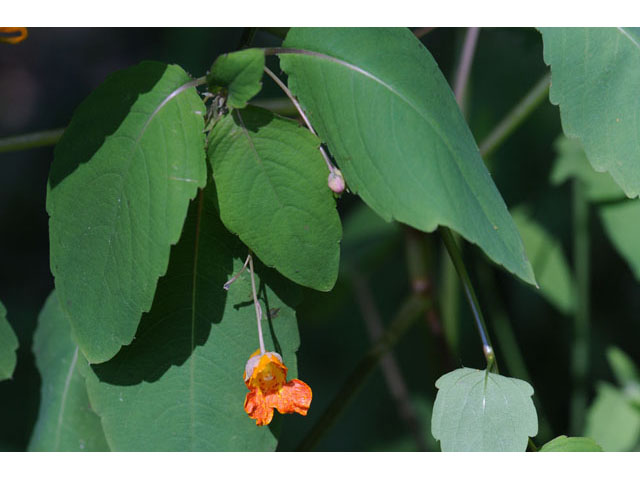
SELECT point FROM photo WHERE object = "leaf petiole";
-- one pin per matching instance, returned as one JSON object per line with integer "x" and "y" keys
{"x": 285, "y": 89}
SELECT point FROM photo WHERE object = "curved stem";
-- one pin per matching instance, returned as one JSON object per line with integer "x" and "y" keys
{"x": 293, "y": 99}
{"x": 456, "y": 258}
{"x": 235, "y": 277}
{"x": 516, "y": 116}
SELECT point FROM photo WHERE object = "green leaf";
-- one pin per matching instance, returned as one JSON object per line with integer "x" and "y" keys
{"x": 379, "y": 101}
{"x": 66, "y": 421}
{"x": 571, "y": 162}
{"x": 626, "y": 373}
{"x": 8, "y": 346}
{"x": 623, "y": 367}
{"x": 621, "y": 221}
{"x": 272, "y": 191}
{"x": 595, "y": 77}
{"x": 119, "y": 187}
{"x": 620, "y": 216}
{"x": 480, "y": 411}
{"x": 240, "y": 73}
{"x": 612, "y": 421}
{"x": 571, "y": 444}
{"x": 179, "y": 385}
{"x": 548, "y": 260}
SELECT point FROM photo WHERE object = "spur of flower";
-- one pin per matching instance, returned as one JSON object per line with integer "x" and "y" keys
{"x": 12, "y": 34}
{"x": 266, "y": 378}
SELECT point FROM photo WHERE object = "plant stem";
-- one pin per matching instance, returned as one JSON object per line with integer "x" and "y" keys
{"x": 507, "y": 340}
{"x": 456, "y": 258}
{"x": 450, "y": 303}
{"x": 580, "y": 348}
{"x": 44, "y": 138}
{"x": 449, "y": 280}
{"x": 464, "y": 67}
{"x": 516, "y": 116}
{"x": 418, "y": 263}
{"x": 462, "y": 78}
{"x": 411, "y": 309}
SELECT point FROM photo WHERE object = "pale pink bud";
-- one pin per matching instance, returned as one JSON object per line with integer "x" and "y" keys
{"x": 336, "y": 181}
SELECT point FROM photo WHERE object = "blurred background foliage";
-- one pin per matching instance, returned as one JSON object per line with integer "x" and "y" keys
{"x": 44, "y": 78}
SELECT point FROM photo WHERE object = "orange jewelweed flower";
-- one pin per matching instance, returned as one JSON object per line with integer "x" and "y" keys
{"x": 11, "y": 36}
{"x": 266, "y": 378}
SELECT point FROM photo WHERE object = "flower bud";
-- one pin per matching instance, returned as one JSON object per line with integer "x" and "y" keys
{"x": 336, "y": 181}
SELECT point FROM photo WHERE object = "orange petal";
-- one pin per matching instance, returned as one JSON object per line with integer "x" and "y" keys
{"x": 269, "y": 375}
{"x": 256, "y": 407}
{"x": 295, "y": 396}
{"x": 11, "y": 38}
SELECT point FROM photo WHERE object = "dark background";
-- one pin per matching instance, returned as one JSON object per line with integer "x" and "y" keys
{"x": 45, "y": 77}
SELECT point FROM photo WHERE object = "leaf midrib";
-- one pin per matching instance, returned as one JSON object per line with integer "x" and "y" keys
{"x": 63, "y": 401}
{"x": 259, "y": 160}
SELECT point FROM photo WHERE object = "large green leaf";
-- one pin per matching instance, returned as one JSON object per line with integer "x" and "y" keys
{"x": 480, "y": 411}
{"x": 549, "y": 263}
{"x": 596, "y": 82}
{"x": 179, "y": 385}
{"x": 239, "y": 73}
{"x": 379, "y": 101}
{"x": 8, "y": 346}
{"x": 119, "y": 188}
{"x": 272, "y": 191}
{"x": 571, "y": 444}
{"x": 620, "y": 216}
{"x": 66, "y": 421}
{"x": 612, "y": 421}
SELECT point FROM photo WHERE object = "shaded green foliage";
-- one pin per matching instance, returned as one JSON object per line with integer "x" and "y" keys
{"x": 179, "y": 385}
{"x": 612, "y": 421}
{"x": 66, "y": 421}
{"x": 8, "y": 346}
{"x": 595, "y": 77}
{"x": 548, "y": 261}
{"x": 239, "y": 74}
{"x": 571, "y": 444}
{"x": 620, "y": 215}
{"x": 393, "y": 125}
{"x": 123, "y": 174}
{"x": 272, "y": 191}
